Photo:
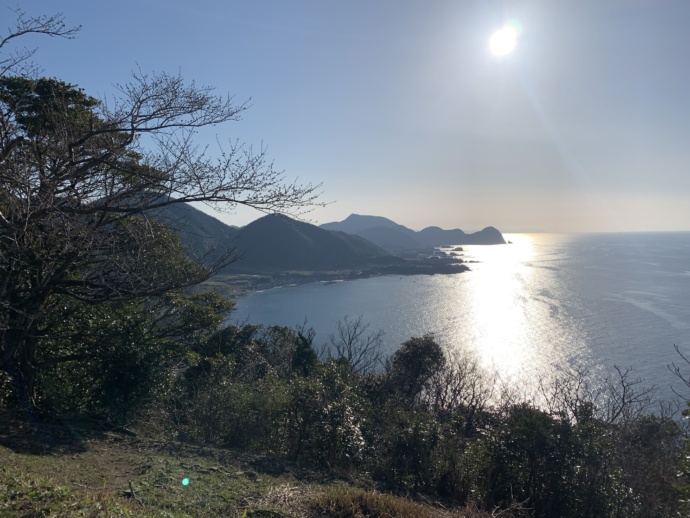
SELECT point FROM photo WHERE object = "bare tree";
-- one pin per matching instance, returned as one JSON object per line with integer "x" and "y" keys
{"x": 79, "y": 179}
{"x": 570, "y": 394}
{"x": 617, "y": 398}
{"x": 678, "y": 371}
{"x": 462, "y": 387}
{"x": 353, "y": 342}
{"x": 46, "y": 25}
{"x": 626, "y": 398}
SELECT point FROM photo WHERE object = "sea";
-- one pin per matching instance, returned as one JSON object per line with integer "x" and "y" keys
{"x": 530, "y": 310}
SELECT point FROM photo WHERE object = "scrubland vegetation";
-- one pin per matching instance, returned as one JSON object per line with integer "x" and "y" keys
{"x": 421, "y": 433}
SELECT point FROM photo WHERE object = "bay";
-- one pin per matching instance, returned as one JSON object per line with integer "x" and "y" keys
{"x": 528, "y": 309}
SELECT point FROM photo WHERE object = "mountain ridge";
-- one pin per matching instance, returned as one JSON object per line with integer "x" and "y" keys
{"x": 389, "y": 235}
{"x": 276, "y": 247}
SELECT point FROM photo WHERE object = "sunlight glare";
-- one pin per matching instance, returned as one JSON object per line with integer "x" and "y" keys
{"x": 499, "y": 303}
{"x": 504, "y": 40}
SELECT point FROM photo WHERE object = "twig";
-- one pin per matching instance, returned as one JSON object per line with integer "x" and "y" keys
{"x": 134, "y": 495}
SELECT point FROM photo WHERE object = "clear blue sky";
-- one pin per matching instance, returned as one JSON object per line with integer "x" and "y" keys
{"x": 400, "y": 110}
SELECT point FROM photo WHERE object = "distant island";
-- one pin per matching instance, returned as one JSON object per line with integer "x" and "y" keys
{"x": 276, "y": 250}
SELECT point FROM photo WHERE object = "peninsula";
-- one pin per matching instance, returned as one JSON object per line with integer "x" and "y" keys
{"x": 276, "y": 250}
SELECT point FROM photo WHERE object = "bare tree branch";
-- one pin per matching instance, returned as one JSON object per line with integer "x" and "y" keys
{"x": 353, "y": 342}
{"x": 53, "y": 26}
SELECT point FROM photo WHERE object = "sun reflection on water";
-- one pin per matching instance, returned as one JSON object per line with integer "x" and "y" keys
{"x": 499, "y": 305}
{"x": 508, "y": 311}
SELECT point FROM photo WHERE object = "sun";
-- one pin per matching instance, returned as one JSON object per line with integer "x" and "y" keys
{"x": 504, "y": 41}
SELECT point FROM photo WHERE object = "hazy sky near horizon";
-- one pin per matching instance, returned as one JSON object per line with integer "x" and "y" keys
{"x": 399, "y": 109}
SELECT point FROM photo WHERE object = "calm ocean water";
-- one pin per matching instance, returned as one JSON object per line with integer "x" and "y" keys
{"x": 528, "y": 309}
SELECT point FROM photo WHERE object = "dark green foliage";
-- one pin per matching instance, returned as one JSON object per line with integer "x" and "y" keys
{"x": 37, "y": 102}
{"x": 111, "y": 359}
{"x": 249, "y": 352}
{"x": 648, "y": 450}
{"x": 324, "y": 417}
{"x": 265, "y": 389}
{"x": 426, "y": 426}
{"x": 304, "y": 358}
{"x": 118, "y": 363}
{"x": 683, "y": 485}
{"x": 413, "y": 365}
{"x": 460, "y": 465}
{"x": 237, "y": 392}
{"x": 237, "y": 414}
{"x": 405, "y": 442}
{"x": 532, "y": 461}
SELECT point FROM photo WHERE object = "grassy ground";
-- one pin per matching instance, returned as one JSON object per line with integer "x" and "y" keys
{"x": 70, "y": 469}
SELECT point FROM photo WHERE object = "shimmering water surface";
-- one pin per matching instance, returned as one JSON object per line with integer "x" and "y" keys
{"x": 527, "y": 308}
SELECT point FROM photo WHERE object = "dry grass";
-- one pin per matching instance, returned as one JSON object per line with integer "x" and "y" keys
{"x": 111, "y": 474}
{"x": 348, "y": 502}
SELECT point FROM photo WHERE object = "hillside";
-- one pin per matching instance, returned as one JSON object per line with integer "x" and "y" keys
{"x": 277, "y": 242}
{"x": 269, "y": 244}
{"x": 206, "y": 237}
{"x": 356, "y": 223}
{"x": 87, "y": 471}
{"x": 278, "y": 246}
{"x": 395, "y": 237}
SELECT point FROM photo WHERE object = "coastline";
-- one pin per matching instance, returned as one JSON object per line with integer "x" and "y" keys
{"x": 236, "y": 285}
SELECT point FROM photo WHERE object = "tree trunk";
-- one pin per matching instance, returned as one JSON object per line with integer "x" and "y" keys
{"x": 18, "y": 360}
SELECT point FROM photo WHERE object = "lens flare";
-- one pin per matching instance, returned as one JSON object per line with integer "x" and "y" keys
{"x": 185, "y": 481}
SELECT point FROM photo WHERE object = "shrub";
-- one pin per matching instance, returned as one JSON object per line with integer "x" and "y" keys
{"x": 239, "y": 415}
{"x": 325, "y": 415}
{"x": 532, "y": 461}
{"x": 109, "y": 363}
{"x": 411, "y": 366}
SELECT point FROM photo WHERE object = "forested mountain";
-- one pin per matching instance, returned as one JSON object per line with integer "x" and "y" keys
{"x": 392, "y": 236}
{"x": 203, "y": 235}
{"x": 271, "y": 243}
{"x": 277, "y": 242}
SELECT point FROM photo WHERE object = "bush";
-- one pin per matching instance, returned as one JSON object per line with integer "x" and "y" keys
{"x": 647, "y": 450}
{"x": 412, "y": 366}
{"x": 110, "y": 362}
{"x": 325, "y": 416}
{"x": 239, "y": 415}
{"x": 532, "y": 461}
{"x": 427, "y": 425}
